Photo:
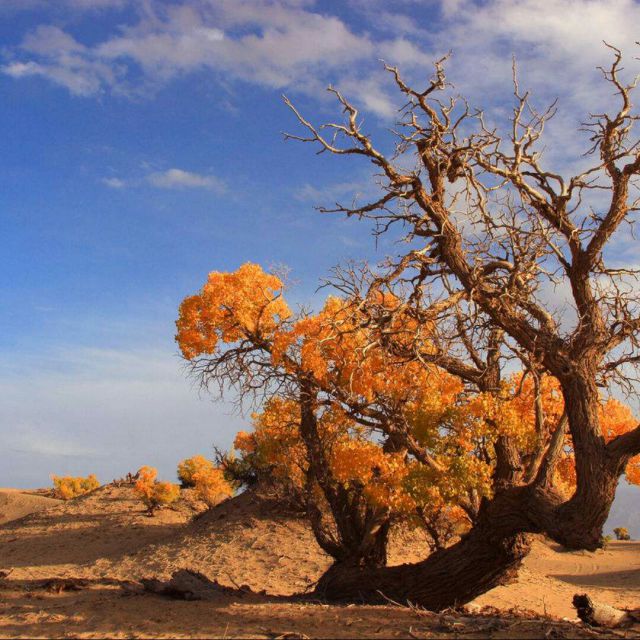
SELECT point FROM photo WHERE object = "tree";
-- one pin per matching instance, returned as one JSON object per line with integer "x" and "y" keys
{"x": 68, "y": 487}
{"x": 368, "y": 472}
{"x": 328, "y": 396}
{"x": 332, "y": 387}
{"x": 621, "y": 533}
{"x": 154, "y": 493}
{"x": 211, "y": 486}
{"x": 489, "y": 224}
{"x": 189, "y": 467}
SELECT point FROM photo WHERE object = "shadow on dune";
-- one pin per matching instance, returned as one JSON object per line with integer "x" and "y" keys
{"x": 614, "y": 580}
{"x": 81, "y": 545}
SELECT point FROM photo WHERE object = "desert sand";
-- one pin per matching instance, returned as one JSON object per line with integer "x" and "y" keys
{"x": 263, "y": 554}
{"x": 15, "y": 503}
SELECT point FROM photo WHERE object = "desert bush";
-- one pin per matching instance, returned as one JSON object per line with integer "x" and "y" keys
{"x": 622, "y": 533}
{"x": 153, "y": 493}
{"x": 239, "y": 471}
{"x": 604, "y": 542}
{"x": 188, "y": 468}
{"x": 68, "y": 487}
{"x": 211, "y": 486}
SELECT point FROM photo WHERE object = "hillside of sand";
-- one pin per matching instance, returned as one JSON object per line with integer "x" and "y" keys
{"x": 106, "y": 541}
{"x": 15, "y": 504}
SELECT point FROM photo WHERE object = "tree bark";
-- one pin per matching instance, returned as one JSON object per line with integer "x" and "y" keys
{"x": 488, "y": 556}
{"x": 358, "y": 533}
{"x": 578, "y": 523}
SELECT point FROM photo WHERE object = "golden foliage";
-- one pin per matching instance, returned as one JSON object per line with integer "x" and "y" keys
{"x": 211, "y": 485}
{"x": 153, "y": 493}
{"x": 622, "y": 533}
{"x": 344, "y": 357}
{"x": 189, "y": 467}
{"x": 68, "y": 487}
{"x": 274, "y": 449}
{"x": 231, "y": 307}
{"x": 615, "y": 419}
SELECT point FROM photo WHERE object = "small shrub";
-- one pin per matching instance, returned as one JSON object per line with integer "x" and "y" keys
{"x": 153, "y": 493}
{"x": 211, "y": 486}
{"x": 239, "y": 471}
{"x": 604, "y": 541}
{"x": 188, "y": 468}
{"x": 622, "y": 533}
{"x": 68, "y": 487}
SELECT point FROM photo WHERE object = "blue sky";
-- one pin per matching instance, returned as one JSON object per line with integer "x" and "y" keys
{"x": 142, "y": 148}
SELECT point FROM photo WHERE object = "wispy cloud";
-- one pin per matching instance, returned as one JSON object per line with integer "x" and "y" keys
{"x": 170, "y": 179}
{"x": 329, "y": 193}
{"x": 52, "y": 53}
{"x": 30, "y": 439}
{"x": 75, "y": 5}
{"x": 292, "y": 45}
{"x": 114, "y": 183}
{"x": 180, "y": 179}
{"x": 275, "y": 44}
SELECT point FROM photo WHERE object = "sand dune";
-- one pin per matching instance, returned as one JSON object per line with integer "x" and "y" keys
{"x": 15, "y": 504}
{"x": 107, "y": 539}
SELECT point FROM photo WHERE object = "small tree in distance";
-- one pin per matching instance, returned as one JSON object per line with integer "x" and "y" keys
{"x": 208, "y": 480}
{"x": 68, "y": 487}
{"x": 189, "y": 467}
{"x": 211, "y": 486}
{"x": 621, "y": 533}
{"x": 153, "y": 493}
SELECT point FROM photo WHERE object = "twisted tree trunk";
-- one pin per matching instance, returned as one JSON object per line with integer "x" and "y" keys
{"x": 354, "y": 533}
{"x": 488, "y": 556}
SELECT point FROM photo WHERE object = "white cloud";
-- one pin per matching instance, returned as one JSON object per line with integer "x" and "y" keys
{"x": 402, "y": 53}
{"x": 329, "y": 193}
{"x": 290, "y": 44}
{"x": 97, "y": 4}
{"x": 371, "y": 94}
{"x": 21, "y": 69}
{"x": 180, "y": 179}
{"x": 557, "y": 45}
{"x": 30, "y": 439}
{"x": 75, "y": 5}
{"x": 64, "y": 61}
{"x": 170, "y": 179}
{"x": 114, "y": 183}
{"x": 275, "y": 44}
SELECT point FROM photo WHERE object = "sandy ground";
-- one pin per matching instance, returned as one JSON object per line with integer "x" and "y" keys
{"x": 16, "y": 504}
{"x": 107, "y": 540}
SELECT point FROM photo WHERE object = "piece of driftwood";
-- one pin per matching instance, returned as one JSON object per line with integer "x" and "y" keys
{"x": 186, "y": 584}
{"x": 58, "y": 585}
{"x": 598, "y": 614}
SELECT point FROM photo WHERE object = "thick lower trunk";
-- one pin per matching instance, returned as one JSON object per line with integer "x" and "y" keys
{"x": 579, "y": 522}
{"x": 448, "y": 578}
{"x": 488, "y": 556}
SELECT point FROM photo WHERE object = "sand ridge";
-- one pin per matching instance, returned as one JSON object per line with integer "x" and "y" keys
{"x": 16, "y": 504}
